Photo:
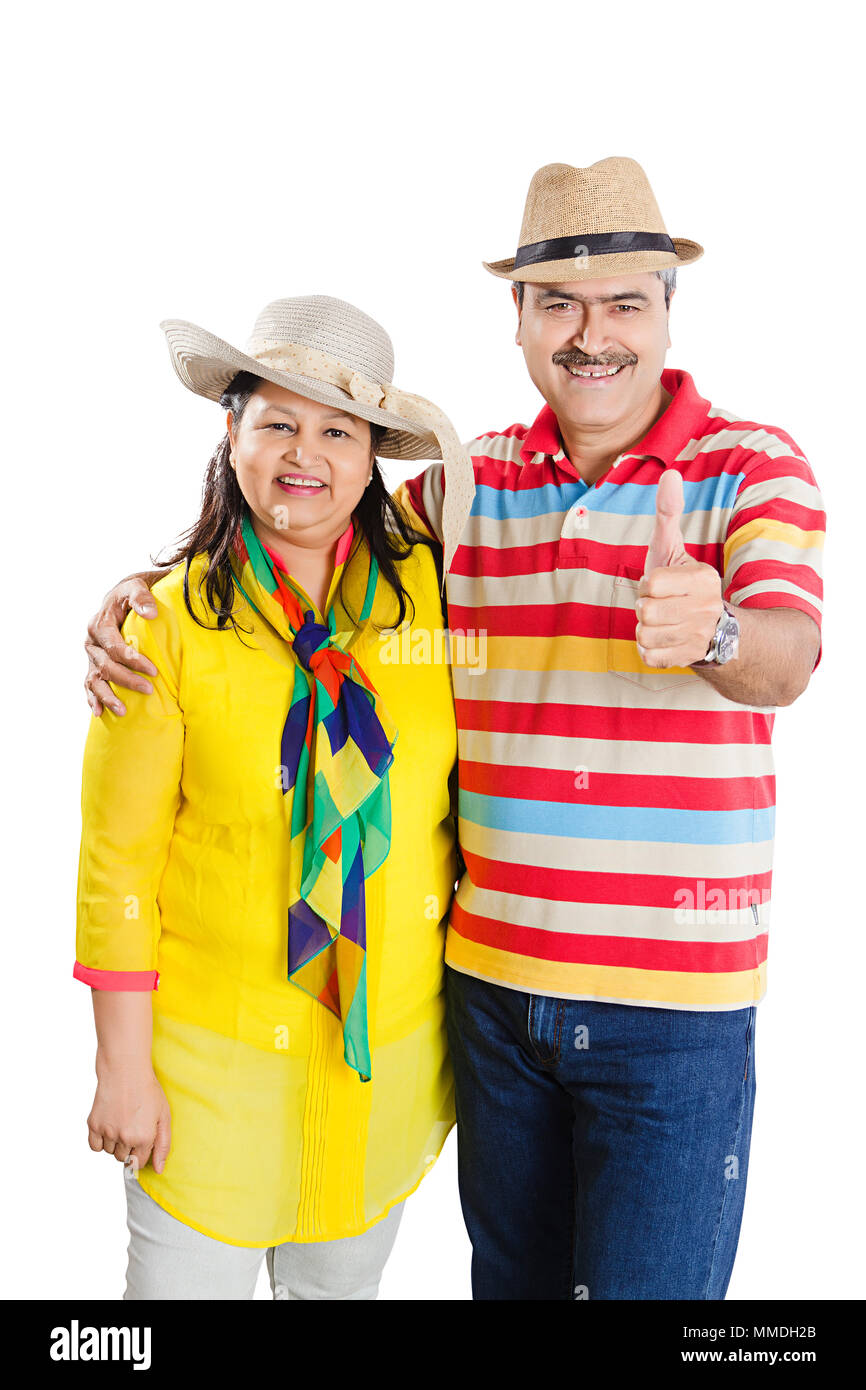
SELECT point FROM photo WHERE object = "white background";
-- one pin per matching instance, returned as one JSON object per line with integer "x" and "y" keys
{"x": 196, "y": 161}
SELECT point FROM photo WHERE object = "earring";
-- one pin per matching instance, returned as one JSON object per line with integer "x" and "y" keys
{"x": 370, "y": 479}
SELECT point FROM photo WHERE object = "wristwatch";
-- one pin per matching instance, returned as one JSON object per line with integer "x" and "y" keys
{"x": 725, "y": 643}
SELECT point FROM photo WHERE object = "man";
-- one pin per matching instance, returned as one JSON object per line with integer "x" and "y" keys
{"x": 645, "y": 568}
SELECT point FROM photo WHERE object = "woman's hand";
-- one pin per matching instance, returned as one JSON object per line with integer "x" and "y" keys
{"x": 130, "y": 1116}
{"x": 109, "y": 657}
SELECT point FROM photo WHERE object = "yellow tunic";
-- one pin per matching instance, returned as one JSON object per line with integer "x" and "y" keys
{"x": 184, "y": 869}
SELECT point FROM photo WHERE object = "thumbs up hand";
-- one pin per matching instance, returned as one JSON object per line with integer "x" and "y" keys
{"x": 666, "y": 545}
{"x": 679, "y": 599}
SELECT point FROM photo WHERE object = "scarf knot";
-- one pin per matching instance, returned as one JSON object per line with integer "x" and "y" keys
{"x": 310, "y": 638}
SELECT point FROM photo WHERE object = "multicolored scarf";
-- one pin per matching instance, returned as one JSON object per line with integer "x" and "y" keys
{"x": 335, "y": 752}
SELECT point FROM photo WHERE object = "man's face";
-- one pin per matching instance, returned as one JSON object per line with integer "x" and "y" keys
{"x": 593, "y": 327}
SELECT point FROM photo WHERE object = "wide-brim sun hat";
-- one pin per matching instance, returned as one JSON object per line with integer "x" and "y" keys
{"x": 329, "y": 351}
{"x": 586, "y": 224}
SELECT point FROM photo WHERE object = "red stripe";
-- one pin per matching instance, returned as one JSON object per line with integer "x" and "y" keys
{"x": 618, "y": 789}
{"x": 780, "y": 509}
{"x": 476, "y": 560}
{"x": 487, "y": 561}
{"x": 512, "y": 475}
{"x": 626, "y": 952}
{"x": 599, "y": 721}
{"x": 781, "y": 600}
{"x": 759, "y": 571}
{"x": 594, "y": 886}
{"x": 414, "y": 488}
{"x": 763, "y": 469}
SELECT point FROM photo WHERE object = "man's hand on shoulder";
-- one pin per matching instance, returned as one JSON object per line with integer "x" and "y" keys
{"x": 109, "y": 657}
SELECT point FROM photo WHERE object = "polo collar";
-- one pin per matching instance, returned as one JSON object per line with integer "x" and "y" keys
{"x": 681, "y": 421}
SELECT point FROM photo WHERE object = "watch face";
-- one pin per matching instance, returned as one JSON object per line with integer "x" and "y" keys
{"x": 728, "y": 641}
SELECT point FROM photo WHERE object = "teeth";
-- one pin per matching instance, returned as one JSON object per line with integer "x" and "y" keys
{"x": 603, "y": 371}
{"x": 300, "y": 482}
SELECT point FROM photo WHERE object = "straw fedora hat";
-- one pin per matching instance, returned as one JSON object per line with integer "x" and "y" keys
{"x": 329, "y": 351}
{"x": 585, "y": 224}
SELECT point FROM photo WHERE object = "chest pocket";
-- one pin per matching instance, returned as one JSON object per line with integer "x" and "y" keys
{"x": 622, "y": 654}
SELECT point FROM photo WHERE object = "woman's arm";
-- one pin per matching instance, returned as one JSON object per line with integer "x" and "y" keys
{"x": 130, "y": 796}
{"x": 130, "y": 1114}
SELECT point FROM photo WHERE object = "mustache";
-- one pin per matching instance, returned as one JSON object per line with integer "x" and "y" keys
{"x": 579, "y": 359}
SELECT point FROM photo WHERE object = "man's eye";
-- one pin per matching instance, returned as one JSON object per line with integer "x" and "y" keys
{"x": 564, "y": 305}
{"x": 628, "y": 308}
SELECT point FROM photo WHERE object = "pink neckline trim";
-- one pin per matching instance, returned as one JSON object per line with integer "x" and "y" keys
{"x": 343, "y": 545}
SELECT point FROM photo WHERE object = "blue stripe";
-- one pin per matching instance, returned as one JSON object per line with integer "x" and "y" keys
{"x": 660, "y": 825}
{"x": 633, "y": 499}
{"x": 501, "y": 503}
{"x": 620, "y": 499}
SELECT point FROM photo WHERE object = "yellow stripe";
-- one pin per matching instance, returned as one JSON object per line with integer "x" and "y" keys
{"x": 766, "y": 529}
{"x": 682, "y": 989}
{"x": 568, "y": 654}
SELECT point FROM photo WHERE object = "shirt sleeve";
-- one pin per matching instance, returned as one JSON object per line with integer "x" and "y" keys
{"x": 775, "y": 538}
{"x": 421, "y": 499}
{"x": 129, "y": 798}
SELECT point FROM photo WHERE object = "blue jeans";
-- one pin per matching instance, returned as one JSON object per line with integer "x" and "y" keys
{"x": 602, "y": 1148}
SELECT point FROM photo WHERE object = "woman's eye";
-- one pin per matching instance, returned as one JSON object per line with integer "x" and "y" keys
{"x": 279, "y": 425}
{"x": 341, "y": 433}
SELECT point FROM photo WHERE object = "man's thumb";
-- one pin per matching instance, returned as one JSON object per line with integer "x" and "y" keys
{"x": 666, "y": 545}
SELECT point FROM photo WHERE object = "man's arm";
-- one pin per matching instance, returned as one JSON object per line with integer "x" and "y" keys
{"x": 422, "y": 500}
{"x": 777, "y": 654}
{"x": 109, "y": 657}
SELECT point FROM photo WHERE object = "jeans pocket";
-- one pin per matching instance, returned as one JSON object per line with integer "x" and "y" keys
{"x": 622, "y": 656}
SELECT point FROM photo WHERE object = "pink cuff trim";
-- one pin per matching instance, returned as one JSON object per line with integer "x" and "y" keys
{"x": 116, "y": 979}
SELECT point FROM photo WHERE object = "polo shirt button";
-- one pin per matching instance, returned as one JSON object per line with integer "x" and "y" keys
{"x": 576, "y": 521}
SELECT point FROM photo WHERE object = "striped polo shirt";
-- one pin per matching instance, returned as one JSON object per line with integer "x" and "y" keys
{"x": 615, "y": 821}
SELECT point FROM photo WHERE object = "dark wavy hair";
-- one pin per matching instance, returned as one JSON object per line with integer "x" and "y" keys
{"x": 385, "y": 528}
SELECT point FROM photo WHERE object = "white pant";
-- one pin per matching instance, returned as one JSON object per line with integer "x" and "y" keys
{"x": 170, "y": 1260}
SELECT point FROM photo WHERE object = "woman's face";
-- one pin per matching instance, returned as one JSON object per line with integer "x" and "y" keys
{"x": 301, "y": 466}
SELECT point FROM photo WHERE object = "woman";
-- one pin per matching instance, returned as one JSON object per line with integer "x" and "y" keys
{"x": 268, "y": 849}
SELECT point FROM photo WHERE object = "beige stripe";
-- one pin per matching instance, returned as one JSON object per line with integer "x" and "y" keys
{"x": 606, "y": 689}
{"x": 505, "y": 449}
{"x": 759, "y": 440}
{"x": 612, "y": 919}
{"x": 690, "y": 862}
{"x": 765, "y": 551}
{"x": 601, "y": 527}
{"x": 776, "y": 586}
{"x": 638, "y": 757}
{"x": 432, "y": 497}
{"x": 765, "y": 493}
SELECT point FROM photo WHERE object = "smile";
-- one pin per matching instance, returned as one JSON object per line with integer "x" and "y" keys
{"x": 298, "y": 480}
{"x": 594, "y": 372}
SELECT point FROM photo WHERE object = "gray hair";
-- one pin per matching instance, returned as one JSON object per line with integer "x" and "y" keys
{"x": 668, "y": 277}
